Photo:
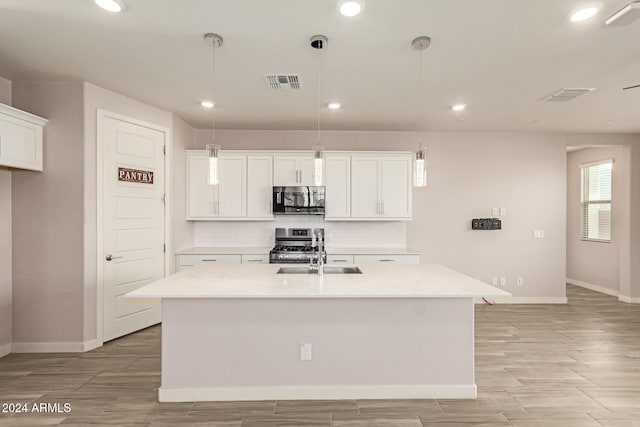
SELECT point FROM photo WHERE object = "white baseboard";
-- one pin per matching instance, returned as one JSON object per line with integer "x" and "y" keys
{"x": 54, "y": 347}
{"x": 91, "y": 344}
{"x": 5, "y": 349}
{"x": 592, "y": 287}
{"x": 170, "y": 394}
{"x": 629, "y": 300}
{"x": 525, "y": 300}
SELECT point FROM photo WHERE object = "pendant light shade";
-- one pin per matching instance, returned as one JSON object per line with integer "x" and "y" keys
{"x": 318, "y": 164}
{"x": 213, "y": 150}
{"x": 420, "y": 167}
{"x": 213, "y": 153}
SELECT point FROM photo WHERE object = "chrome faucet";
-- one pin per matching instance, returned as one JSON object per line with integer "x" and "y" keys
{"x": 317, "y": 259}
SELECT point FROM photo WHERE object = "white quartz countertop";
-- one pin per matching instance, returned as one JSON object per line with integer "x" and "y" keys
{"x": 261, "y": 281}
{"x": 264, "y": 250}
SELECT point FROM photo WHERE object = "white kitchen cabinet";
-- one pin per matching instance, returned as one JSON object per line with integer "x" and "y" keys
{"x": 338, "y": 186}
{"x": 259, "y": 186}
{"x": 340, "y": 259}
{"x": 381, "y": 187}
{"x": 293, "y": 170}
{"x": 365, "y": 187}
{"x": 186, "y": 262}
{"x": 255, "y": 259}
{"x": 398, "y": 259}
{"x": 227, "y": 200}
{"x": 20, "y": 139}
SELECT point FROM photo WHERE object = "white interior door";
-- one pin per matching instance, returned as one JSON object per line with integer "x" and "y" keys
{"x": 133, "y": 223}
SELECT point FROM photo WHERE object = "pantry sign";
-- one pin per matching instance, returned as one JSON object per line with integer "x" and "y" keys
{"x": 135, "y": 175}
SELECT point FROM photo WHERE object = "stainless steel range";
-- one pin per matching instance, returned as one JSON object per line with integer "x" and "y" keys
{"x": 296, "y": 246}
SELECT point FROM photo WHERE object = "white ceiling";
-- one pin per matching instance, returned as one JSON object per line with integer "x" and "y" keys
{"x": 498, "y": 56}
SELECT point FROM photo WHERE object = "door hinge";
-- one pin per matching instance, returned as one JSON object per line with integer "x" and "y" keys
{"x": 164, "y": 150}
{"x": 164, "y": 248}
{"x": 164, "y": 199}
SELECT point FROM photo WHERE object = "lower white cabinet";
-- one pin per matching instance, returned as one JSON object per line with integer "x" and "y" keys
{"x": 255, "y": 259}
{"x": 20, "y": 139}
{"x": 340, "y": 259}
{"x": 189, "y": 261}
{"x": 398, "y": 259}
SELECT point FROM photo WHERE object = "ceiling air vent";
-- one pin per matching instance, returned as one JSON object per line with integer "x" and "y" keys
{"x": 283, "y": 81}
{"x": 567, "y": 94}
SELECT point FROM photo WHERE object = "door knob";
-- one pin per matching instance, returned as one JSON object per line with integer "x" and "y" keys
{"x": 110, "y": 257}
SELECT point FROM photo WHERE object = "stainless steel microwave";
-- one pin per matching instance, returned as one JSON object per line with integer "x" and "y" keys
{"x": 298, "y": 200}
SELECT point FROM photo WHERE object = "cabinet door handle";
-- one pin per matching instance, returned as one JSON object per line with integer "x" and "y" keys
{"x": 254, "y": 260}
{"x": 209, "y": 260}
{"x": 387, "y": 260}
{"x": 382, "y": 208}
{"x": 339, "y": 260}
{"x": 110, "y": 257}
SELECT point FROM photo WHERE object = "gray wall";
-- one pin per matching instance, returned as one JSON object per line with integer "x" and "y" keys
{"x": 48, "y": 220}
{"x": 469, "y": 174}
{"x": 5, "y": 238}
{"x": 595, "y": 262}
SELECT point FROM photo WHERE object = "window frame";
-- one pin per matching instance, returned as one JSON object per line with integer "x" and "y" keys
{"x": 585, "y": 203}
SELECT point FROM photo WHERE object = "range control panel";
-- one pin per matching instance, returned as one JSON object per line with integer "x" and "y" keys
{"x": 486, "y": 224}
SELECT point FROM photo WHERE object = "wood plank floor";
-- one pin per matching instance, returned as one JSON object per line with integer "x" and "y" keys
{"x": 537, "y": 365}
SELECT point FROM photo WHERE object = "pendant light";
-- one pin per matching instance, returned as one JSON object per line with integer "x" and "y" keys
{"x": 213, "y": 149}
{"x": 420, "y": 169}
{"x": 318, "y": 42}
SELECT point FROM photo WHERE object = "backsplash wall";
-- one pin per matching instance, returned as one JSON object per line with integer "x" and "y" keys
{"x": 337, "y": 234}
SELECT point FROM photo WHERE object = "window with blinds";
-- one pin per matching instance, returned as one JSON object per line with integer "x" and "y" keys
{"x": 596, "y": 201}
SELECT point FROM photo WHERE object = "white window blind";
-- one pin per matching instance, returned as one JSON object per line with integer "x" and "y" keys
{"x": 596, "y": 201}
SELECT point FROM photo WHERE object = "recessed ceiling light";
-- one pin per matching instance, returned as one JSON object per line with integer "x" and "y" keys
{"x": 458, "y": 107}
{"x": 334, "y": 105}
{"x": 207, "y": 104}
{"x": 350, "y": 7}
{"x": 585, "y": 12}
{"x": 111, "y": 5}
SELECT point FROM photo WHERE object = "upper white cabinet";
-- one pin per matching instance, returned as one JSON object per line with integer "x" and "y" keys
{"x": 338, "y": 186}
{"x": 244, "y": 191}
{"x": 20, "y": 139}
{"x": 360, "y": 186}
{"x": 381, "y": 186}
{"x": 292, "y": 170}
{"x": 259, "y": 186}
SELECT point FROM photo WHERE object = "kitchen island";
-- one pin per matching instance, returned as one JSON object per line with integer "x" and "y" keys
{"x": 234, "y": 332}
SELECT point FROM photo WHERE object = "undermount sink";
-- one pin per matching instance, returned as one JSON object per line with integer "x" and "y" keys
{"x": 327, "y": 270}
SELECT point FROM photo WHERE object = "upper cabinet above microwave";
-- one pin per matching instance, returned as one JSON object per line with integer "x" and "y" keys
{"x": 20, "y": 139}
{"x": 292, "y": 170}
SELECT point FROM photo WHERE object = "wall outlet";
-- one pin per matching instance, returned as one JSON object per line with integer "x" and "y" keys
{"x": 305, "y": 351}
{"x": 503, "y": 281}
{"x": 503, "y": 211}
{"x": 538, "y": 234}
{"x": 494, "y": 281}
{"x": 519, "y": 281}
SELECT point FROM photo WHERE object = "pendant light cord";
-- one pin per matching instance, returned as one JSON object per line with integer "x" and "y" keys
{"x": 419, "y": 106}
{"x": 318, "y": 94}
{"x": 213, "y": 89}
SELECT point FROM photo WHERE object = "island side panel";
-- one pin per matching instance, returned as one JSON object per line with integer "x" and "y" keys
{"x": 231, "y": 349}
